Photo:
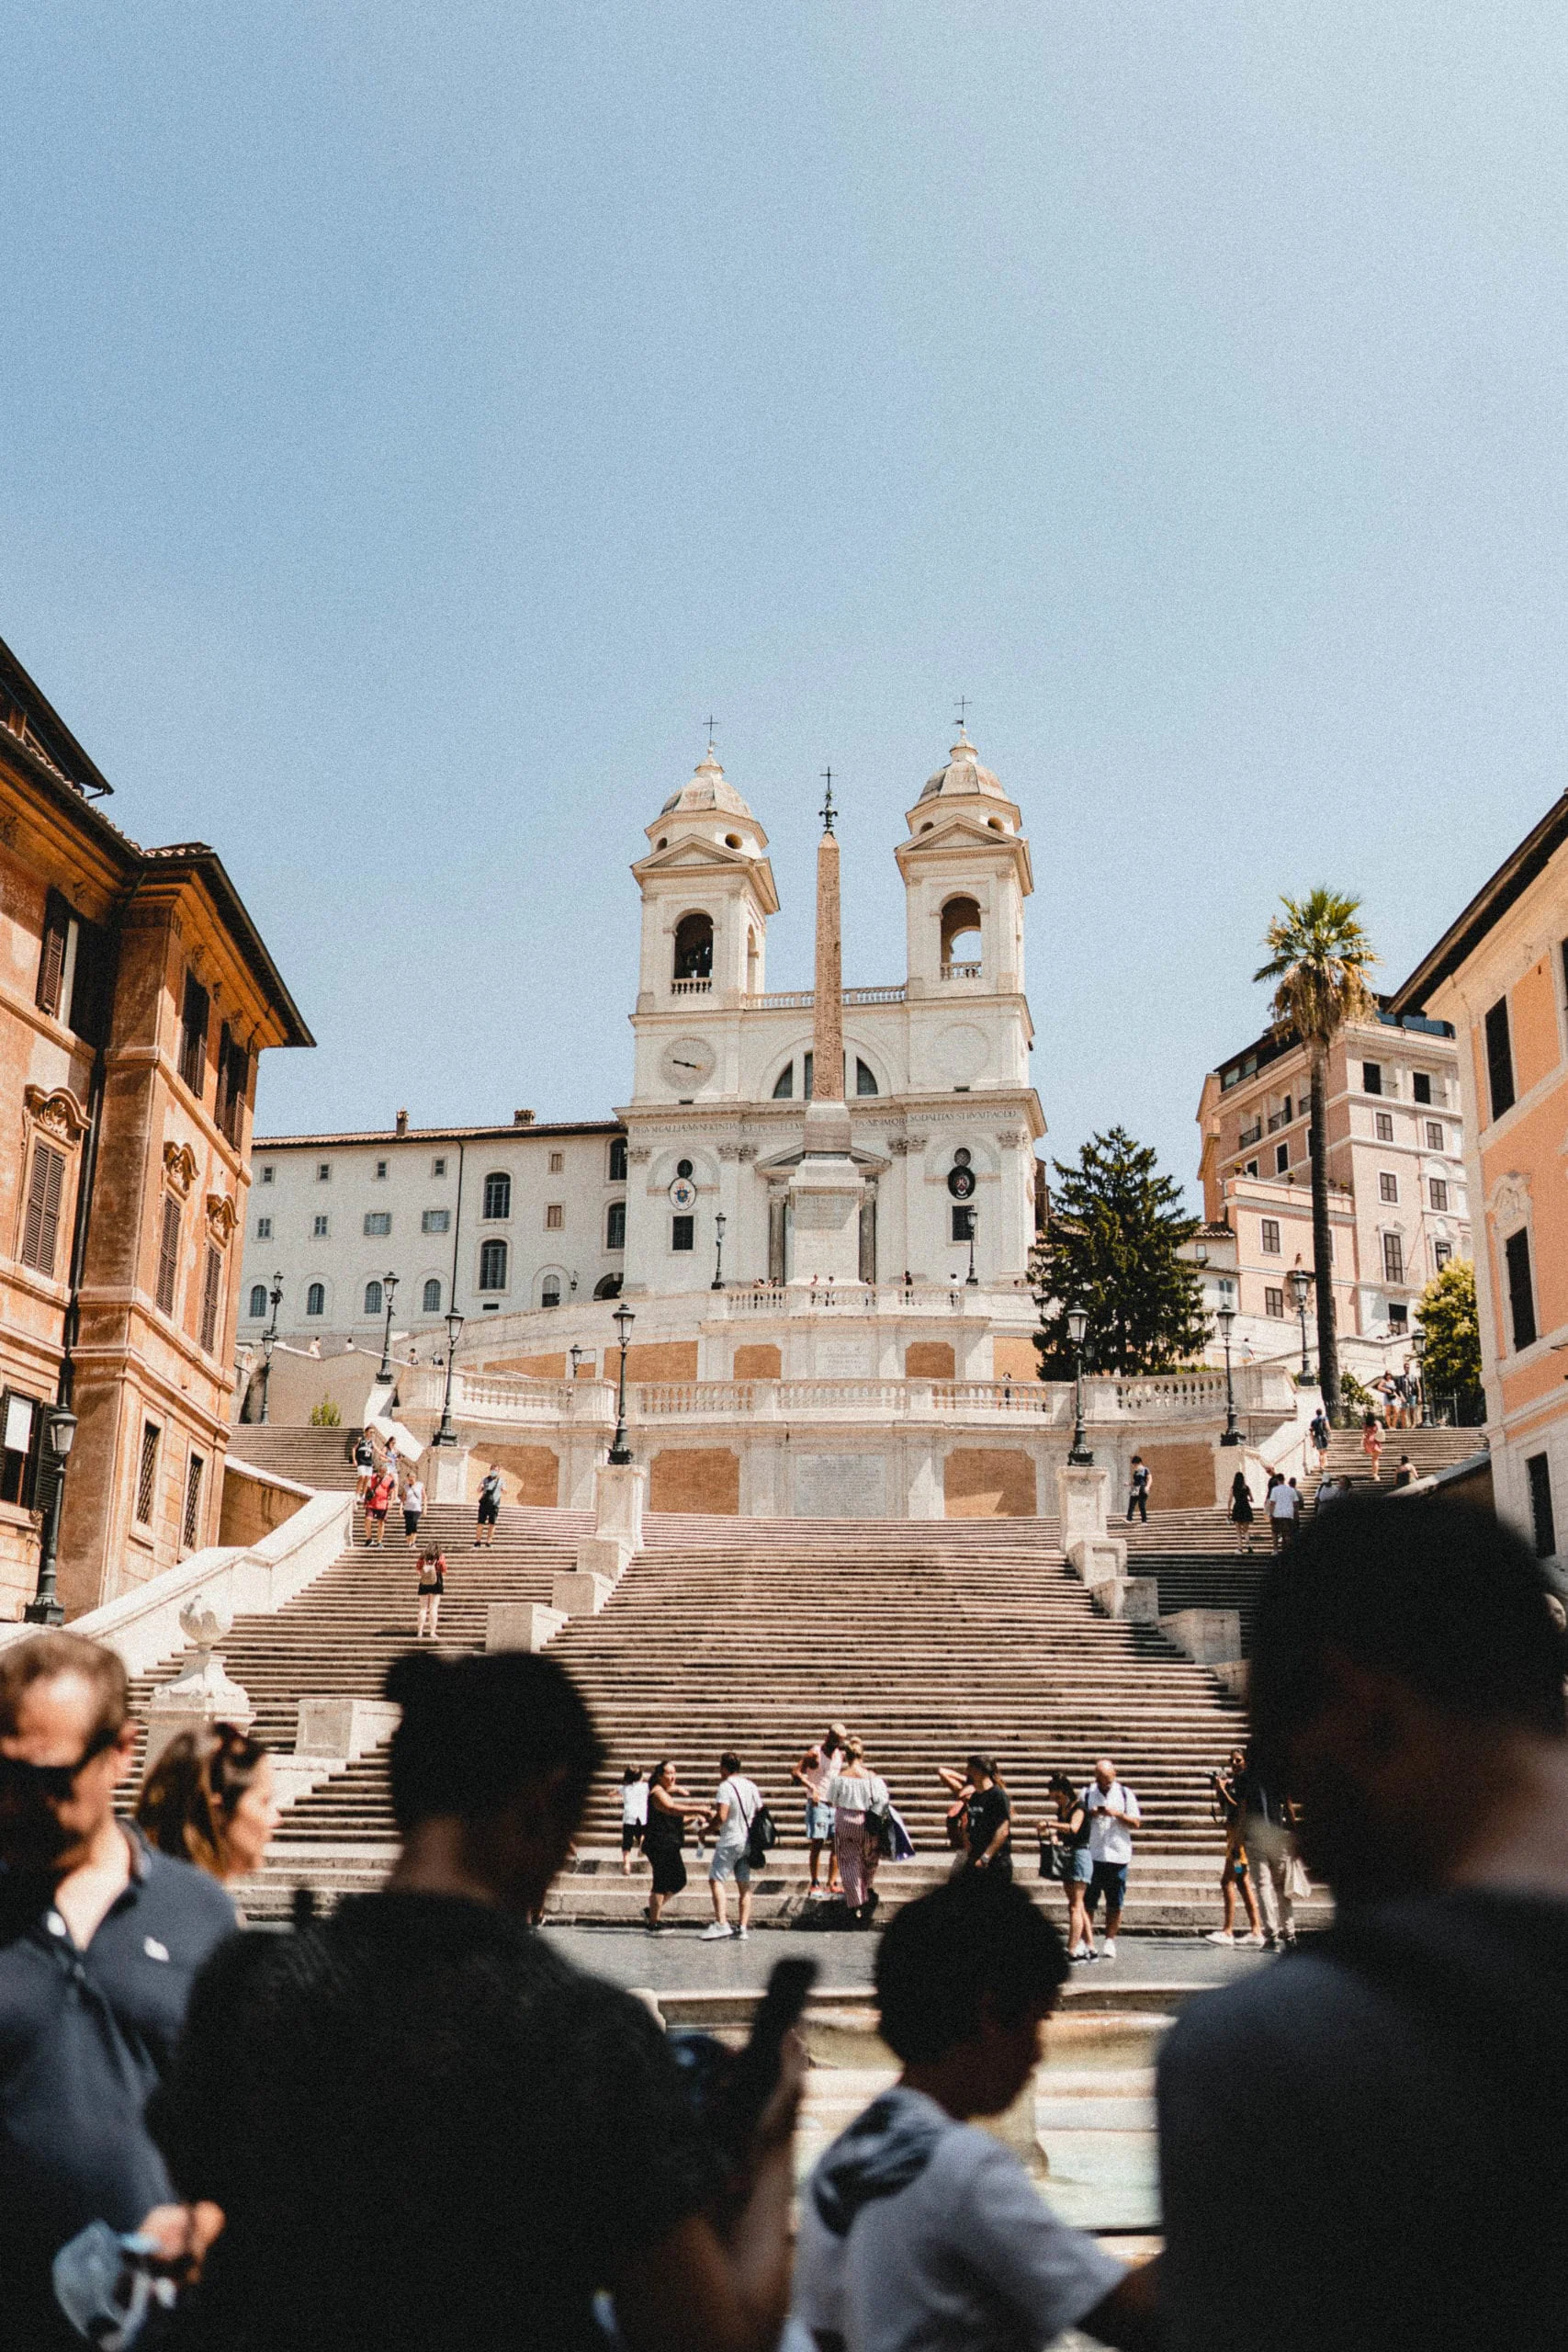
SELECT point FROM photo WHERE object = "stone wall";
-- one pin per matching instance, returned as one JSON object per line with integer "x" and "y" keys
{"x": 760, "y": 1361}
{"x": 252, "y": 1506}
{"x": 988, "y": 1482}
{"x": 695, "y": 1478}
{"x": 930, "y": 1360}
{"x": 1183, "y": 1477}
{"x": 529, "y": 1474}
{"x": 1014, "y": 1356}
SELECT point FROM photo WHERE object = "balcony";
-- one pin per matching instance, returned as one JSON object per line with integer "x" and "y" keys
{"x": 961, "y": 971}
{"x": 691, "y": 988}
{"x": 1250, "y": 1136}
{"x": 803, "y": 999}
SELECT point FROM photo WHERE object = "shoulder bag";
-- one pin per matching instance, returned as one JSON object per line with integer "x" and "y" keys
{"x": 761, "y": 1836}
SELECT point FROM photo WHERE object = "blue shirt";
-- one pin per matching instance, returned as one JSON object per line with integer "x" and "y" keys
{"x": 85, "y": 2037}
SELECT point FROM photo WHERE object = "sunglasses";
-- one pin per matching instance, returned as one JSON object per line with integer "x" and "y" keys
{"x": 18, "y": 1778}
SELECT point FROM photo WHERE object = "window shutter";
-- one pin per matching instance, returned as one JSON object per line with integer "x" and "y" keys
{"x": 211, "y": 1300}
{"x": 168, "y": 1256}
{"x": 1521, "y": 1294}
{"x": 40, "y": 1222}
{"x": 52, "y": 962}
{"x": 1499, "y": 1058}
{"x": 221, "y": 1099}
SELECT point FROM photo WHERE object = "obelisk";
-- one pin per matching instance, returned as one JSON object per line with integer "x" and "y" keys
{"x": 825, "y": 1191}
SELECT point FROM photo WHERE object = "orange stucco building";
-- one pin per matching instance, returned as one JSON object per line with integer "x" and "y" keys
{"x": 135, "y": 997}
{"x": 1500, "y": 974}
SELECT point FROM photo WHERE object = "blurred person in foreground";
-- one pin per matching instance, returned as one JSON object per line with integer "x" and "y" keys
{"x": 211, "y": 1799}
{"x": 1371, "y": 2133}
{"x": 918, "y": 2230}
{"x": 100, "y": 1940}
{"x": 424, "y": 2128}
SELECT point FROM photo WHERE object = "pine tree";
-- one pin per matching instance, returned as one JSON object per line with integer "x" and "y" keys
{"x": 1113, "y": 1232}
{"x": 1450, "y": 1366}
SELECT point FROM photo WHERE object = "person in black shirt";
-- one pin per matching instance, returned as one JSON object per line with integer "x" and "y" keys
{"x": 987, "y": 1815}
{"x": 1371, "y": 2132}
{"x": 100, "y": 1940}
{"x": 425, "y": 2129}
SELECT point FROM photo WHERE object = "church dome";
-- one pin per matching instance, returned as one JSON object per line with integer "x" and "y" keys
{"x": 707, "y": 789}
{"x": 963, "y": 775}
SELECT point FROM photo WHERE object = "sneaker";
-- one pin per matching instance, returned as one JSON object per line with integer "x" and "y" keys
{"x": 1110, "y": 1950}
{"x": 715, "y": 1934}
{"x": 1089, "y": 1952}
{"x": 741, "y": 1934}
{"x": 1220, "y": 1936}
{"x": 1254, "y": 1941}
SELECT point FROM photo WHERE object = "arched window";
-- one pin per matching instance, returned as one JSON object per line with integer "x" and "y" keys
{"x": 808, "y": 1074}
{"x": 258, "y": 1298}
{"x": 374, "y": 1302}
{"x": 316, "y": 1299}
{"x": 549, "y": 1290}
{"x": 431, "y": 1297}
{"x": 498, "y": 1194}
{"x": 617, "y": 1159}
{"x": 493, "y": 1265}
{"x": 607, "y": 1286}
{"x": 959, "y": 934}
{"x": 783, "y": 1085}
{"x": 865, "y": 1080}
{"x": 693, "y": 947}
{"x": 615, "y": 1225}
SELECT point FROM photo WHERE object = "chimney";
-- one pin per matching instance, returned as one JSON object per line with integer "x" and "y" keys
{"x": 522, "y": 1118}
{"x": 403, "y": 1123}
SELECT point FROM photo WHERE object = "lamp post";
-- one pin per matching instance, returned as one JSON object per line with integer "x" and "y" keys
{"x": 1078, "y": 1454}
{"x": 972, "y": 1280}
{"x": 388, "y": 1286}
{"x": 59, "y": 1434}
{"x": 1224, "y": 1316}
{"x": 620, "y": 1452}
{"x": 446, "y": 1435}
{"x": 269, "y": 1340}
{"x": 1300, "y": 1283}
{"x": 1419, "y": 1343}
{"x": 717, "y": 1282}
{"x": 575, "y": 1352}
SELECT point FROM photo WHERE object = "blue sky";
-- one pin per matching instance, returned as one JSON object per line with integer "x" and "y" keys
{"x": 414, "y": 420}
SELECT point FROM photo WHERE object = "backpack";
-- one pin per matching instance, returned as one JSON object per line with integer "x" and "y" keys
{"x": 761, "y": 1836}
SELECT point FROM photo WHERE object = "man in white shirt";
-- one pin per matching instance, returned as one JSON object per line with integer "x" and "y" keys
{"x": 1112, "y": 1812}
{"x": 1284, "y": 1502}
{"x": 735, "y": 1808}
{"x": 919, "y": 2232}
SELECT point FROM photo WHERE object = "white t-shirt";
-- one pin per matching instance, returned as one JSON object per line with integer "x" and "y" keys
{"x": 1110, "y": 1841}
{"x": 918, "y": 2233}
{"x": 413, "y": 1495}
{"x": 744, "y": 1799}
{"x": 634, "y": 1805}
{"x": 1283, "y": 1501}
{"x": 853, "y": 1792}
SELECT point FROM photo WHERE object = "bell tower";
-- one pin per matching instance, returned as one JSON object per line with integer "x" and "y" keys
{"x": 966, "y": 872}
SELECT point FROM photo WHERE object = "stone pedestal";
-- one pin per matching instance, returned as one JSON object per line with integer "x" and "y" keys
{"x": 580, "y": 1595}
{"x": 1082, "y": 1501}
{"x": 619, "y": 1490}
{"x": 201, "y": 1694}
{"x": 447, "y": 1472}
{"x": 343, "y": 1728}
{"x": 1212, "y": 1637}
{"x": 1136, "y": 1599}
{"x": 522, "y": 1624}
{"x": 1097, "y": 1559}
{"x": 825, "y": 1194}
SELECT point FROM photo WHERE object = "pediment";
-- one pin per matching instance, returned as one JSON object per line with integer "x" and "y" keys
{"x": 965, "y": 834}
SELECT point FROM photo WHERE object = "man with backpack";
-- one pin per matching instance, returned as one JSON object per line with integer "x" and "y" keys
{"x": 736, "y": 1810}
{"x": 1138, "y": 1486}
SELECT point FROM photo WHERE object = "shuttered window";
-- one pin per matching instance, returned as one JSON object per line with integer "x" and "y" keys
{"x": 192, "y": 1034}
{"x": 51, "y": 960}
{"x": 40, "y": 1221}
{"x": 211, "y": 1300}
{"x": 147, "y": 1473}
{"x": 1499, "y": 1058}
{"x": 233, "y": 1083}
{"x": 1521, "y": 1291}
{"x": 1392, "y": 1257}
{"x": 168, "y": 1255}
{"x": 190, "y": 1526}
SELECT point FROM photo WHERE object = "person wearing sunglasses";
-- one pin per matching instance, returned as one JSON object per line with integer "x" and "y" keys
{"x": 100, "y": 1939}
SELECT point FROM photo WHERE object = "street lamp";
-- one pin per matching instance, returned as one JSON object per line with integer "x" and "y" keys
{"x": 1224, "y": 1316}
{"x": 269, "y": 1340}
{"x": 1079, "y": 1454}
{"x": 717, "y": 1282}
{"x": 388, "y": 1285}
{"x": 970, "y": 1280}
{"x": 446, "y": 1435}
{"x": 1419, "y": 1343}
{"x": 575, "y": 1352}
{"x": 59, "y": 1435}
{"x": 620, "y": 1452}
{"x": 1300, "y": 1283}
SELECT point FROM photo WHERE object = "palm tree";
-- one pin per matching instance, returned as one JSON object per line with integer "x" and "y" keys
{"x": 1319, "y": 956}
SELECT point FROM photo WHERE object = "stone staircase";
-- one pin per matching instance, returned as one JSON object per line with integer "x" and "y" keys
{"x": 318, "y": 1458}
{"x": 1428, "y": 1449}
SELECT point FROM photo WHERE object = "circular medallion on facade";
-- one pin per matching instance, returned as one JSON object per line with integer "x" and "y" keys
{"x": 687, "y": 1063}
{"x": 960, "y": 1184}
{"x": 682, "y": 1194}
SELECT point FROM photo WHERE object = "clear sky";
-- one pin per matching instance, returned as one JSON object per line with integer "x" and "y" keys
{"x": 414, "y": 419}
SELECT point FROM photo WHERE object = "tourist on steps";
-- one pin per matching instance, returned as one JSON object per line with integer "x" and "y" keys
{"x": 855, "y": 1791}
{"x": 1138, "y": 1484}
{"x": 100, "y": 1940}
{"x": 211, "y": 1799}
{"x": 1369, "y": 2137}
{"x": 1229, "y": 1788}
{"x": 424, "y": 2127}
{"x": 1371, "y": 1442}
{"x": 1284, "y": 1508}
{"x": 1320, "y": 1434}
{"x": 364, "y": 1465}
{"x": 489, "y": 1508}
{"x": 413, "y": 1509}
{"x": 821, "y": 1758}
{"x": 735, "y": 1808}
{"x": 634, "y": 1816}
{"x": 432, "y": 1584}
{"x": 1114, "y": 1814}
{"x": 1240, "y": 1511}
{"x": 1069, "y": 1833}
{"x": 668, "y": 1813}
{"x": 377, "y": 1502}
{"x": 918, "y": 2229}
{"x": 987, "y": 1815}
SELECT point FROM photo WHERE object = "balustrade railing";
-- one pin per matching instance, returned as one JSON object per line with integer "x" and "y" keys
{"x": 961, "y": 971}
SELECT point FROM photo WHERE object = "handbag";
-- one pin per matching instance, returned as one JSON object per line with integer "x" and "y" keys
{"x": 761, "y": 1836}
{"x": 1053, "y": 1860}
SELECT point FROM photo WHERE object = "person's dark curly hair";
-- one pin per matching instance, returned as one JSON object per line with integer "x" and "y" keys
{"x": 944, "y": 1955}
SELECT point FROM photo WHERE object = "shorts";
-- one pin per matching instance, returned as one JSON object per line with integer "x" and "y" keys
{"x": 730, "y": 1862}
{"x": 1108, "y": 1879}
{"x": 1079, "y": 1867}
{"x": 631, "y": 1835}
{"x": 488, "y": 1514}
{"x": 375, "y": 1519}
{"x": 819, "y": 1823}
{"x": 411, "y": 1523}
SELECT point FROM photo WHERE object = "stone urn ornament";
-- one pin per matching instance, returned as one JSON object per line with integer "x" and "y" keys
{"x": 201, "y": 1692}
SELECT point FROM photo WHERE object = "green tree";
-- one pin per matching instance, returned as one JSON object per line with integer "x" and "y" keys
{"x": 1112, "y": 1231}
{"x": 1450, "y": 1366}
{"x": 1318, "y": 959}
{"x": 325, "y": 1416}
